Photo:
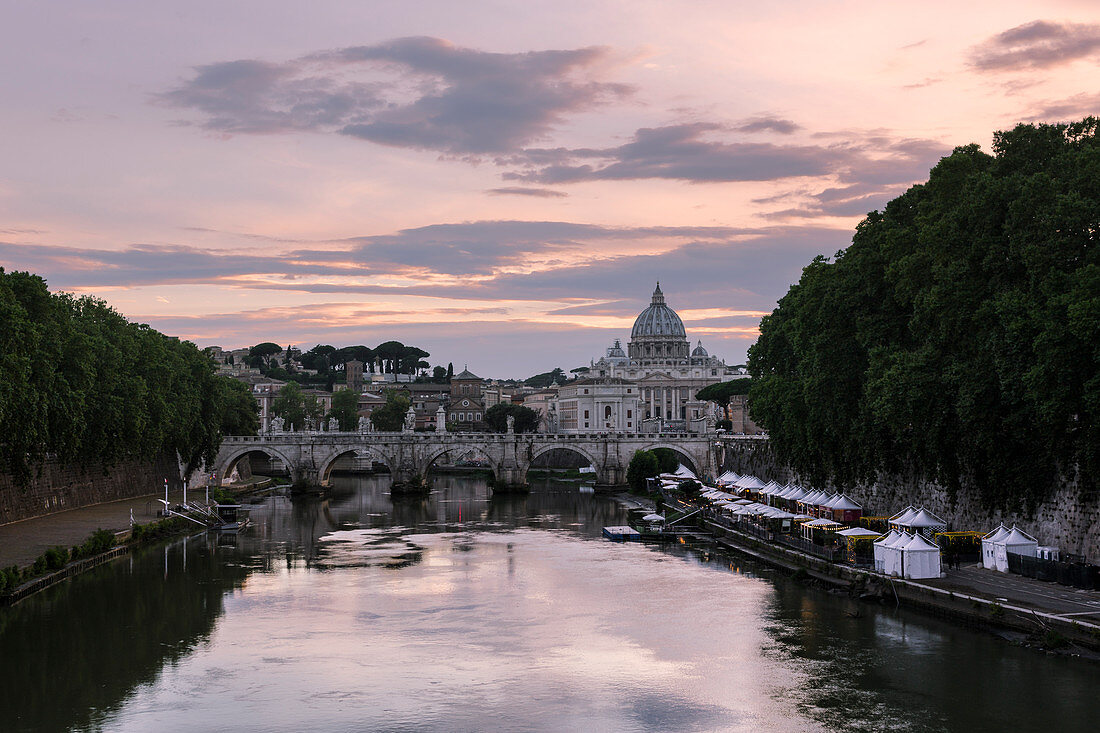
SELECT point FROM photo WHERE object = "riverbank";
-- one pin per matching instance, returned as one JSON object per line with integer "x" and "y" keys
{"x": 1031, "y": 612}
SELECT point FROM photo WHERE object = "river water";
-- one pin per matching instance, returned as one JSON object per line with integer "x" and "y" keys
{"x": 465, "y": 612}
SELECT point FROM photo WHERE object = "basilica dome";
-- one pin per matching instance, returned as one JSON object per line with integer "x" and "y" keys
{"x": 658, "y": 320}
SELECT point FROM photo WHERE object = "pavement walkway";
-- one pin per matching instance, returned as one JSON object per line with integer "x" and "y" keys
{"x": 1040, "y": 595}
{"x": 23, "y": 541}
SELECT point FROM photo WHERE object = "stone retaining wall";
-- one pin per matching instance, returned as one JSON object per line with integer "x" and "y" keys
{"x": 1068, "y": 519}
{"x": 58, "y": 487}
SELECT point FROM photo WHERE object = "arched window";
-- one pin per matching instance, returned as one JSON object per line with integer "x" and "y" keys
{"x": 607, "y": 412}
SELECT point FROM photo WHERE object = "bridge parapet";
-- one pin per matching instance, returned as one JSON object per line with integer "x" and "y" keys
{"x": 409, "y": 456}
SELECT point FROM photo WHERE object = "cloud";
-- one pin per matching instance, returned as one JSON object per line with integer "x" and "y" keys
{"x": 690, "y": 152}
{"x": 475, "y": 261}
{"x": 768, "y": 124}
{"x": 422, "y": 93}
{"x": 1040, "y": 44}
{"x": 525, "y": 191}
{"x": 684, "y": 152}
{"x": 1072, "y": 108}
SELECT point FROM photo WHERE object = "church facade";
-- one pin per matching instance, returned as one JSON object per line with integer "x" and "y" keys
{"x": 662, "y": 373}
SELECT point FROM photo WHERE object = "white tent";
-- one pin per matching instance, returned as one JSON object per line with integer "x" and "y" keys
{"x": 729, "y": 477}
{"x": 893, "y": 557}
{"x": 859, "y": 532}
{"x": 684, "y": 472}
{"x": 899, "y": 520}
{"x": 883, "y": 548}
{"x": 989, "y": 554}
{"x": 1016, "y": 542}
{"x": 926, "y": 522}
{"x": 920, "y": 559}
{"x": 750, "y": 482}
{"x": 653, "y": 518}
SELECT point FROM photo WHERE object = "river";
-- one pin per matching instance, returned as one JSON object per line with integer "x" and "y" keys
{"x": 465, "y": 612}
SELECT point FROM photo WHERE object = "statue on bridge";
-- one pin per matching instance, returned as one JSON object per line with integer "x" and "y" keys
{"x": 511, "y": 421}
{"x": 277, "y": 425}
{"x": 364, "y": 424}
{"x": 333, "y": 425}
{"x": 410, "y": 420}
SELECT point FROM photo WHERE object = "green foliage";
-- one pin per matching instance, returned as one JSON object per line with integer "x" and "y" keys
{"x": 547, "y": 378}
{"x": 722, "y": 391}
{"x": 668, "y": 460}
{"x": 527, "y": 420}
{"x": 240, "y": 411}
{"x": 289, "y": 404}
{"x": 86, "y": 385}
{"x": 958, "y": 337}
{"x": 643, "y": 465}
{"x": 56, "y": 557}
{"x": 100, "y": 541}
{"x": 439, "y": 375}
{"x": 690, "y": 488}
{"x": 391, "y": 416}
{"x": 345, "y": 408}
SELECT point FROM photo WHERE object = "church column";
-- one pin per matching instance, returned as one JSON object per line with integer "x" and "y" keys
{"x": 676, "y": 403}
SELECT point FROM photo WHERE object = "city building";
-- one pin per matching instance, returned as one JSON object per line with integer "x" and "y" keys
{"x": 662, "y": 372}
{"x": 466, "y": 410}
{"x": 597, "y": 404}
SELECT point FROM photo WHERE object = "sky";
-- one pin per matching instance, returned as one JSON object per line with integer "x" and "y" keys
{"x": 498, "y": 183}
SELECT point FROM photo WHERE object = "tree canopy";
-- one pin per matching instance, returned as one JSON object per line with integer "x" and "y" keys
{"x": 722, "y": 391}
{"x": 643, "y": 465}
{"x": 547, "y": 378}
{"x": 958, "y": 337}
{"x": 345, "y": 408}
{"x": 527, "y": 420}
{"x": 391, "y": 416}
{"x": 79, "y": 381}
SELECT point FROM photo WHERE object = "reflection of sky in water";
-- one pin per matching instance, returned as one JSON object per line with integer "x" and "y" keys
{"x": 523, "y": 630}
{"x": 461, "y": 613}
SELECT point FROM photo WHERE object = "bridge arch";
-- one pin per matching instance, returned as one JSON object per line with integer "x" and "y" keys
{"x": 324, "y": 474}
{"x": 537, "y": 451}
{"x": 495, "y": 462}
{"x": 225, "y": 465}
{"x": 686, "y": 457}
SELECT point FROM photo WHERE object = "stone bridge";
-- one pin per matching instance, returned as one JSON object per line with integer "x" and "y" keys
{"x": 310, "y": 456}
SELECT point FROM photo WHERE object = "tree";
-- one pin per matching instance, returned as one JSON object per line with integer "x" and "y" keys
{"x": 390, "y": 353}
{"x": 345, "y": 408}
{"x": 439, "y": 375}
{"x": 258, "y": 355}
{"x": 391, "y": 416}
{"x": 527, "y": 420}
{"x": 318, "y": 358}
{"x": 956, "y": 338}
{"x": 240, "y": 411}
{"x": 289, "y": 404}
{"x": 643, "y": 465}
{"x": 450, "y": 372}
{"x": 668, "y": 460}
{"x": 722, "y": 391}
{"x": 546, "y": 378}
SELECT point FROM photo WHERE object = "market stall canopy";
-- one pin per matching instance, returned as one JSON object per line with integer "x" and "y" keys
{"x": 923, "y": 518}
{"x": 729, "y": 477}
{"x": 996, "y": 535}
{"x": 821, "y": 523}
{"x": 653, "y": 518}
{"x": 859, "y": 532}
{"x": 750, "y": 482}
{"x": 684, "y": 472}
{"x": 904, "y": 514}
{"x": 842, "y": 502}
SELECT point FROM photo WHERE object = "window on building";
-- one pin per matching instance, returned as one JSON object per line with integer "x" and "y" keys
{"x": 452, "y": 417}
{"x": 607, "y": 412}
{"x": 586, "y": 425}
{"x": 628, "y": 390}
{"x": 629, "y": 414}
{"x": 586, "y": 391}
{"x": 630, "y": 424}
{"x": 477, "y": 415}
{"x": 586, "y": 414}
{"x": 714, "y": 372}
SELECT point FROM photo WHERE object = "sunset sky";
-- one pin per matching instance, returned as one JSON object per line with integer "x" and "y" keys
{"x": 498, "y": 183}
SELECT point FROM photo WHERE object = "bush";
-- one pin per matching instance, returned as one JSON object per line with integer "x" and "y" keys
{"x": 56, "y": 557}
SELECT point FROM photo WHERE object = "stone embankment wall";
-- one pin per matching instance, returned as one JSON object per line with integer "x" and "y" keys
{"x": 1068, "y": 519}
{"x": 58, "y": 487}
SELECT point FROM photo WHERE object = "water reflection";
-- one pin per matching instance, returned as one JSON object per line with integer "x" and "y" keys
{"x": 467, "y": 611}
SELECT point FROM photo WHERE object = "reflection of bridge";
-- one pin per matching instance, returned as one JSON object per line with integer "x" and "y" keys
{"x": 409, "y": 457}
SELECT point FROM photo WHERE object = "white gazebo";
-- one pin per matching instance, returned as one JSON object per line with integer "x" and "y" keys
{"x": 1016, "y": 542}
{"x": 920, "y": 558}
{"x": 884, "y": 552}
{"x": 989, "y": 556}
